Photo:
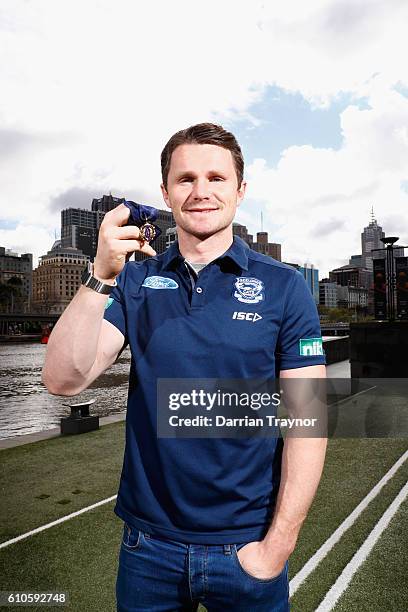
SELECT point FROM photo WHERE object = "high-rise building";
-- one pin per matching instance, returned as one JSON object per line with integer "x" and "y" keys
{"x": 342, "y": 296}
{"x": 57, "y": 279}
{"x": 357, "y": 297}
{"x": 352, "y": 298}
{"x": 328, "y": 293}
{"x": 106, "y": 203}
{"x": 311, "y": 276}
{"x": 242, "y": 232}
{"x": 351, "y": 276}
{"x": 171, "y": 236}
{"x": 333, "y": 295}
{"x": 356, "y": 261}
{"x": 262, "y": 245}
{"x": 19, "y": 267}
{"x": 79, "y": 230}
{"x": 164, "y": 220}
{"x": 371, "y": 239}
{"x": 80, "y": 227}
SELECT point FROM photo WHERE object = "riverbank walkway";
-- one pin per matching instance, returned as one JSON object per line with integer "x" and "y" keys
{"x": 336, "y": 370}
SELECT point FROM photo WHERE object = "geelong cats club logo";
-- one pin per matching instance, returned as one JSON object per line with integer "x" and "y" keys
{"x": 249, "y": 290}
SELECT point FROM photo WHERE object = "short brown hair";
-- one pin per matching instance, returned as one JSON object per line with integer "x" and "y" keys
{"x": 203, "y": 133}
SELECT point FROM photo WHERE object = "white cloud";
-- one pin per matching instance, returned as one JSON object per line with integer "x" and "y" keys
{"x": 22, "y": 238}
{"x": 326, "y": 47}
{"x": 309, "y": 185}
{"x": 95, "y": 88}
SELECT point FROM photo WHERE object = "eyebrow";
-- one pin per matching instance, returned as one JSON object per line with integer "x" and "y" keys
{"x": 209, "y": 173}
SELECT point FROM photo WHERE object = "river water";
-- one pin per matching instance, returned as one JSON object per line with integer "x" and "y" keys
{"x": 27, "y": 407}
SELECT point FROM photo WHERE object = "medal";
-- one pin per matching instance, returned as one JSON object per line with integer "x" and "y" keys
{"x": 143, "y": 217}
{"x": 148, "y": 232}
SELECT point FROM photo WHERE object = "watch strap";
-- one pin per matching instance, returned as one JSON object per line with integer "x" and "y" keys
{"x": 89, "y": 280}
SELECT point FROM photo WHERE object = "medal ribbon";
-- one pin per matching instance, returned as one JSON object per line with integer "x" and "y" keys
{"x": 140, "y": 215}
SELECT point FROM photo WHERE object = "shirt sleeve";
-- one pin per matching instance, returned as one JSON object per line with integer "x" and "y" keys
{"x": 115, "y": 309}
{"x": 299, "y": 341}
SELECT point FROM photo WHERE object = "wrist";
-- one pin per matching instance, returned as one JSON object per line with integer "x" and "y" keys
{"x": 93, "y": 282}
{"x": 100, "y": 277}
{"x": 281, "y": 539}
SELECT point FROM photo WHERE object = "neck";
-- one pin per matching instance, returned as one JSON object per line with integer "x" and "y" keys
{"x": 204, "y": 250}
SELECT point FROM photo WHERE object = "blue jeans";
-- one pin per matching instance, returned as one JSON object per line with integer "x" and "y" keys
{"x": 158, "y": 575}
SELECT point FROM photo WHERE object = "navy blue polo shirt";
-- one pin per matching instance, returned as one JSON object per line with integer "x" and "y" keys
{"x": 206, "y": 491}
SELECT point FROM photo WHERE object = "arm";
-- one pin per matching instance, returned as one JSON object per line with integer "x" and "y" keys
{"x": 82, "y": 344}
{"x": 302, "y": 465}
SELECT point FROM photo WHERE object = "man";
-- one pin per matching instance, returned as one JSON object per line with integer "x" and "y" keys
{"x": 205, "y": 520}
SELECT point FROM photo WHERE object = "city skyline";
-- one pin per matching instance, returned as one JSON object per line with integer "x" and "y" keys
{"x": 316, "y": 94}
{"x": 286, "y": 257}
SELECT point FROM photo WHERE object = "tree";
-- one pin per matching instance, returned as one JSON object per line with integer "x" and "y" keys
{"x": 11, "y": 295}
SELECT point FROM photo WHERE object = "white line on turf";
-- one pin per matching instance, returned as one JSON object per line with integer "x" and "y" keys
{"x": 320, "y": 554}
{"x": 361, "y": 555}
{"x": 57, "y": 522}
{"x": 351, "y": 397}
{"x": 306, "y": 569}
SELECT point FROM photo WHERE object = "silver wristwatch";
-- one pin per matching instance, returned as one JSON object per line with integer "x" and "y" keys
{"x": 93, "y": 283}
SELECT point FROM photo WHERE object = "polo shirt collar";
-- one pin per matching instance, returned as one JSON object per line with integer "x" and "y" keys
{"x": 237, "y": 252}
{"x": 170, "y": 256}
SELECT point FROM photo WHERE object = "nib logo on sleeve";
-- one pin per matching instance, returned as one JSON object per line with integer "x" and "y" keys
{"x": 309, "y": 347}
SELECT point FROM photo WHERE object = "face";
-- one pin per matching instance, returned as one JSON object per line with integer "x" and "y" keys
{"x": 202, "y": 189}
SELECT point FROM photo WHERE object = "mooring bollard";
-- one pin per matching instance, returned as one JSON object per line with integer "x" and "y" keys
{"x": 79, "y": 421}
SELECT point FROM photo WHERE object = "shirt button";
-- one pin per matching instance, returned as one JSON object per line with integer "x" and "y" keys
{"x": 199, "y": 290}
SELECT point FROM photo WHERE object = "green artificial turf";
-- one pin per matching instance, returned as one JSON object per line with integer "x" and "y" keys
{"x": 352, "y": 468}
{"x": 382, "y": 583}
{"x": 43, "y": 481}
{"x": 52, "y": 478}
{"x": 314, "y": 589}
{"x": 78, "y": 556}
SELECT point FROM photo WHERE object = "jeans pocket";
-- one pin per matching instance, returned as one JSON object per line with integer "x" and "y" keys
{"x": 279, "y": 576}
{"x": 131, "y": 538}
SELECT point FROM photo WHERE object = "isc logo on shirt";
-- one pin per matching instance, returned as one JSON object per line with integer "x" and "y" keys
{"x": 246, "y": 316}
{"x": 310, "y": 347}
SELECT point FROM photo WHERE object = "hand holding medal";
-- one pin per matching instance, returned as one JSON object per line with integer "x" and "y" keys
{"x": 143, "y": 217}
{"x": 124, "y": 230}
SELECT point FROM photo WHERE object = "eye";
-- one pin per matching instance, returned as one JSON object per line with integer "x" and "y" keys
{"x": 216, "y": 178}
{"x": 185, "y": 179}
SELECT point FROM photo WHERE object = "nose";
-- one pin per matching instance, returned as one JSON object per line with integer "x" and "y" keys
{"x": 201, "y": 190}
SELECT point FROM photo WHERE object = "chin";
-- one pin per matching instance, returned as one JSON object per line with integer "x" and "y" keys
{"x": 204, "y": 232}
{"x": 201, "y": 233}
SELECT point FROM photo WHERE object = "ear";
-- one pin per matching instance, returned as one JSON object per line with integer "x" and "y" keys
{"x": 241, "y": 193}
{"x": 165, "y": 195}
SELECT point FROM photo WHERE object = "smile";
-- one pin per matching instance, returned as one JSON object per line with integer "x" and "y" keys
{"x": 201, "y": 210}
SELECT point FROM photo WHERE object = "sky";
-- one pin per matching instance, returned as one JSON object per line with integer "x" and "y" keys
{"x": 316, "y": 93}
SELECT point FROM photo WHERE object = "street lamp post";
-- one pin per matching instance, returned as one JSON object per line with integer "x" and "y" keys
{"x": 390, "y": 276}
